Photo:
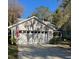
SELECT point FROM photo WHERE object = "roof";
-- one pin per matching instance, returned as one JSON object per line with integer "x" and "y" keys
{"x": 52, "y": 26}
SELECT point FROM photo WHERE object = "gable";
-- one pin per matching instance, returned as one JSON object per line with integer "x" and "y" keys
{"x": 34, "y": 22}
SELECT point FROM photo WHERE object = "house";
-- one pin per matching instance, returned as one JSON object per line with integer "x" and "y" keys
{"x": 32, "y": 31}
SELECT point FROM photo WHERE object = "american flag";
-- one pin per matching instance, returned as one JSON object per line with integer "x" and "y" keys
{"x": 17, "y": 31}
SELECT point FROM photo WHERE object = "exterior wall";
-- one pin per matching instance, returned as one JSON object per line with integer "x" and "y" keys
{"x": 35, "y": 32}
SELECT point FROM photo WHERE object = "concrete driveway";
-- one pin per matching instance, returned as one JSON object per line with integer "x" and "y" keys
{"x": 40, "y": 52}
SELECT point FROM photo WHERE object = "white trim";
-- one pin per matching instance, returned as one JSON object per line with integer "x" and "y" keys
{"x": 22, "y": 21}
{"x": 30, "y": 19}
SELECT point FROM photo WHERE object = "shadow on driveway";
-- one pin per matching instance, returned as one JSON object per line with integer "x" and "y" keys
{"x": 32, "y": 52}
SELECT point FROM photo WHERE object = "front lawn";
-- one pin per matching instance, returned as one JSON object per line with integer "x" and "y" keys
{"x": 12, "y": 52}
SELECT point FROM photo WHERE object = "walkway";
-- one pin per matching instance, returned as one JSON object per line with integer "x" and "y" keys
{"x": 38, "y": 52}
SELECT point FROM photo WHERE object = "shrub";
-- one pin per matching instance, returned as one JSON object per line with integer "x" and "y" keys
{"x": 54, "y": 40}
{"x": 11, "y": 40}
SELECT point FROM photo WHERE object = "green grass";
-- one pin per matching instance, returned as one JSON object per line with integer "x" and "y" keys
{"x": 12, "y": 52}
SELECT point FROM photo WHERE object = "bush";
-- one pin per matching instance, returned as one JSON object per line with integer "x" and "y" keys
{"x": 12, "y": 52}
{"x": 54, "y": 40}
{"x": 14, "y": 40}
{"x": 11, "y": 40}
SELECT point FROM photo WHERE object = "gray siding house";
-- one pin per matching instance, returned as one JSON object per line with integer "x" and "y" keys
{"x": 32, "y": 31}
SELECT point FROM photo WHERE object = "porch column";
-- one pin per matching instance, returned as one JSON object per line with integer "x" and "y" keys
{"x": 27, "y": 36}
{"x": 11, "y": 35}
{"x": 37, "y": 38}
{"x": 44, "y": 37}
{"x": 47, "y": 36}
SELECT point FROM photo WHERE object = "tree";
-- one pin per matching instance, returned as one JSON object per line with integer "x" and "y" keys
{"x": 62, "y": 14}
{"x": 42, "y": 12}
{"x": 62, "y": 18}
{"x": 57, "y": 16}
{"x": 14, "y": 11}
{"x": 67, "y": 18}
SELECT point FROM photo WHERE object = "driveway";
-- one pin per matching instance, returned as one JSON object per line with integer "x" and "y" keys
{"x": 40, "y": 52}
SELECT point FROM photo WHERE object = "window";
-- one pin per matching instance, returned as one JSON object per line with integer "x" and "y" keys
{"x": 32, "y": 31}
{"x": 38, "y": 31}
{"x": 28, "y": 31}
{"x": 45, "y": 31}
{"x": 35, "y": 32}
{"x": 24, "y": 31}
{"x": 42, "y": 31}
{"x": 20, "y": 31}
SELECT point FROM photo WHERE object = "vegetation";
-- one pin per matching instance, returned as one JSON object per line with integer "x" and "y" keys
{"x": 12, "y": 52}
{"x": 42, "y": 12}
{"x": 14, "y": 11}
{"x": 12, "y": 48}
{"x": 61, "y": 18}
{"x": 56, "y": 39}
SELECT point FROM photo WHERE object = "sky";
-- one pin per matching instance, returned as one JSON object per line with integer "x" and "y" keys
{"x": 30, "y": 6}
